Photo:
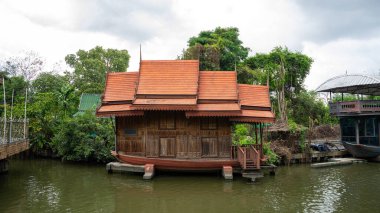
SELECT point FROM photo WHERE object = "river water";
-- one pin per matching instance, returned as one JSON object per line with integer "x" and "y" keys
{"x": 52, "y": 186}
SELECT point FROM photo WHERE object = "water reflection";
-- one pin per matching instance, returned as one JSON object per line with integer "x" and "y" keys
{"x": 46, "y": 186}
{"x": 41, "y": 193}
{"x": 326, "y": 192}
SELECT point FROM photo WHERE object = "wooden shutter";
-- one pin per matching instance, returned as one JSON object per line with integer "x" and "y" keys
{"x": 209, "y": 147}
{"x": 167, "y": 147}
{"x": 167, "y": 121}
{"x": 209, "y": 123}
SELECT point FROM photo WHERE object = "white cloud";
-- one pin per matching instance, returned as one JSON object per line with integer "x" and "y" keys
{"x": 337, "y": 57}
{"x": 57, "y": 28}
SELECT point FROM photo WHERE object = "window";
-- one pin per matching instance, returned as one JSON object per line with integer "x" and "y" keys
{"x": 208, "y": 123}
{"x": 370, "y": 127}
{"x": 367, "y": 127}
{"x": 130, "y": 132}
{"x": 167, "y": 121}
{"x": 348, "y": 127}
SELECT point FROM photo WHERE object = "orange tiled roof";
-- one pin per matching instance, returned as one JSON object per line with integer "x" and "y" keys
{"x": 174, "y": 77}
{"x": 120, "y": 86}
{"x": 178, "y": 85}
{"x": 166, "y": 101}
{"x": 255, "y": 116}
{"x": 254, "y": 95}
{"x": 217, "y": 85}
{"x": 118, "y": 109}
{"x": 164, "y": 107}
{"x": 215, "y": 109}
{"x": 218, "y": 107}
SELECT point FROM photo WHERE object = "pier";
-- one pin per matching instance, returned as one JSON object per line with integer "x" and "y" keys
{"x": 15, "y": 140}
{"x": 8, "y": 150}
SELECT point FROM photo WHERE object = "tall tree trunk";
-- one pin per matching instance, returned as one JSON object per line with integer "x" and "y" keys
{"x": 281, "y": 93}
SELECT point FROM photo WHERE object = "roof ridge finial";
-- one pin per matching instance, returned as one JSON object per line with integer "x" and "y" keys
{"x": 140, "y": 53}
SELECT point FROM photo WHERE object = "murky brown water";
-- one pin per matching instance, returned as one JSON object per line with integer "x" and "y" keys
{"x": 51, "y": 186}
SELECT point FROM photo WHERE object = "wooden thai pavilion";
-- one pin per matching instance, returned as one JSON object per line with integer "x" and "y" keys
{"x": 174, "y": 116}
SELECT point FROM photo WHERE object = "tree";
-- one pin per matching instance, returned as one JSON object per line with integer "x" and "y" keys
{"x": 218, "y": 49}
{"x": 66, "y": 99}
{"x": 306, "y": 105}
{"x": 286, "y": 72}
{"x": 90, "y": 67}
{"x": 17, "y": 86}
{"x": 28, "y": 65}
{"x": 44, "y": 117}
{"x": 297, "y": 67}
{"x": 49, "y": 82}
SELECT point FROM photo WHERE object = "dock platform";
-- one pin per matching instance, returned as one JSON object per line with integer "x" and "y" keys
{"x": 338, "y": 162}
{"x": 9, "y": 149}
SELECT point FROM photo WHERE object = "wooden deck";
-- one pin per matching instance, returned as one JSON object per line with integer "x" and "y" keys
{"x": 9, "y": 149}
{"x": 365, "y": 107}
{"x": 316, "y": 156}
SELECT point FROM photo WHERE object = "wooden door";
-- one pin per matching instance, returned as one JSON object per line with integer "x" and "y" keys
{"x": 182, "y": 146}
{"x": 152, "y": 144}
{"x": 167, "y": 147}
{"x": 210, "y": 147}
{"x": 194, "y": 148}
{"x": 224, "y": 146}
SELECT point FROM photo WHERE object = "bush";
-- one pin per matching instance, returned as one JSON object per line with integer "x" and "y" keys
{"x": 272, "y": 156}
{"x": 84, "y": 138}
{"x": 241, "y": 135}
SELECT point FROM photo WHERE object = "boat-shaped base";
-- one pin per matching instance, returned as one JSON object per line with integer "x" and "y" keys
{"x": 200, "y": 164}
{"x": 361, "y": 150}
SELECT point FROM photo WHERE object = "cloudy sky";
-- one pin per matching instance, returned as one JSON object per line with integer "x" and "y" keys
{"x": 340, "y": 35}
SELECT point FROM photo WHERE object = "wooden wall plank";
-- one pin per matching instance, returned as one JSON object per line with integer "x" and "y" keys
{"x": 182, "y": 138}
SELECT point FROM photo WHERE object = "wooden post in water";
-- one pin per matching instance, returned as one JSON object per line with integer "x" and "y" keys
{"x": 5, "y": 113}
{"x": 10, "y": 121}
{"x": 26, "y": 98}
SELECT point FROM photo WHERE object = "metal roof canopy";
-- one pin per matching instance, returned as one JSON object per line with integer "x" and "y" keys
{"x": 354, "y": 84}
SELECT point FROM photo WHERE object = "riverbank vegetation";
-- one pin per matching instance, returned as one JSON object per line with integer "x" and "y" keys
{"x": 53, "y": 95}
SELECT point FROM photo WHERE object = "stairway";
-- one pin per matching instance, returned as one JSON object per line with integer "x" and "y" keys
{"x": 250, "y": 165}
{"x": 251, "y": 171}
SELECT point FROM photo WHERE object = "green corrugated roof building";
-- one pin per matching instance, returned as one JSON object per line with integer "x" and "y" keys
{"x": 88, "y": 102}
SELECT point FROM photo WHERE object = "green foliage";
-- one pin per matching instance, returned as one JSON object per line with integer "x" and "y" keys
{"x": 84, "y": 138}
{"x": 293, "y": 126}
{"x": 67, "y": 99}
{"x": 241, "y": 135}
{"x": 285, "y": 71}
{"x": 306, "y": 105}
{"x": 218, "y": 49}
{"x": 48, "y": 82}
{"x": 246, "y": 75}
{"x": 44, "y": 117}
{"x": 299, "y": 130}
{"x": 297, "y": 67}
{"x": 271, "y": 155}
{"x": 16, "y": 83}
{"x": 90, "y": 67}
